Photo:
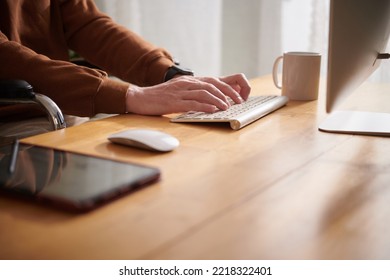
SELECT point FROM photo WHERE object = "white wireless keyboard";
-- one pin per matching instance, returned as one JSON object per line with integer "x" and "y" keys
{"x": 238, "y": 115}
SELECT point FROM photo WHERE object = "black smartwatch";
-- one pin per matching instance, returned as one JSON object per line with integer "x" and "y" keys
{"x": 177, "y": 70}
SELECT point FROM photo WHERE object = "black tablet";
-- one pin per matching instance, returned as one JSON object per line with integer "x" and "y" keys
{"x": 69, "y": 180}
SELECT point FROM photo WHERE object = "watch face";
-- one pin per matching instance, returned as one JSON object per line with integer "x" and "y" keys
{"x": 177, "y": 70}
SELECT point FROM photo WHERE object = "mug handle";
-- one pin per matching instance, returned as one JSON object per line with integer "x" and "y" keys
{"x": 275, "y": 72}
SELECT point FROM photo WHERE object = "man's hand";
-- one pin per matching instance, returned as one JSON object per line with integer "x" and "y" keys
{"x": 188, "y": 93}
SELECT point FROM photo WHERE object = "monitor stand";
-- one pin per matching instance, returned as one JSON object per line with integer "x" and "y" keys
{"x": 356, "y": 122}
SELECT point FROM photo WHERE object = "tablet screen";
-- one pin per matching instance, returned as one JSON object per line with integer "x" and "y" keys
{"x": 69, "y": 180}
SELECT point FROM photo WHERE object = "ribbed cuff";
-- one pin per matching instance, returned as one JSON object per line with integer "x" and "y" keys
{"x": 111, "y": 97}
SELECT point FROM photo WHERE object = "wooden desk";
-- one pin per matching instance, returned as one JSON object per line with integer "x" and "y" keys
{"x": 277, "y": 189}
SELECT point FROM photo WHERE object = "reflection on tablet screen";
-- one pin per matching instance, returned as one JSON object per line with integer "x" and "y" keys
{"x": 70, "y": 180}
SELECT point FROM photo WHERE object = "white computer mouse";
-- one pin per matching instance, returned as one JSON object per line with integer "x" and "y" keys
{"x": 149, "y": 139}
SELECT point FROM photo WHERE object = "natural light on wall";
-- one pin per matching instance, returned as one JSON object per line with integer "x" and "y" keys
{"x": 219, "y": 37}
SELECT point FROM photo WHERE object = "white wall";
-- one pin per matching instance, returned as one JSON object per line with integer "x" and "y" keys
{"x": 189, "y": 29}
{"x": 219, "y": 37}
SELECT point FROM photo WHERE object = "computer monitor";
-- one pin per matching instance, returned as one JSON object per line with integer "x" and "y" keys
{"x": 358, "y": 36}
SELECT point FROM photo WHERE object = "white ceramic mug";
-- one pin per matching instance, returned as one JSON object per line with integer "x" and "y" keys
{"x": 300, "y": 75}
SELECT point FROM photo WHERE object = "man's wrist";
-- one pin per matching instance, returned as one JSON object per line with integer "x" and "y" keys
{"x": 129, "y": 100}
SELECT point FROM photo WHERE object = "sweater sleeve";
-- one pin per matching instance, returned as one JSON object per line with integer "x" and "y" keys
{"x": 76, "y": 90}
{"x": 36, "y": 51}
{"x": 112, "y": 47}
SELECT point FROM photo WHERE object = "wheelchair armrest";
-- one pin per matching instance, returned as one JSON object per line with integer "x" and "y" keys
{"x": 16, "y": 90}
{"x": 21, "y": 92}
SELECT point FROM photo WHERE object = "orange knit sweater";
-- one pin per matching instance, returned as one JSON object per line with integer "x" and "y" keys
{"x": 35, "y": 37}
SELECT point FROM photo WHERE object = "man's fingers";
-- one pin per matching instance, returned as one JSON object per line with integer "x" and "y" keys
{"x": 225, "y": 89}
{"x": 192, "y": 105}
{"x": 209, "y": 96}
{"x": 240, "y": 83}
